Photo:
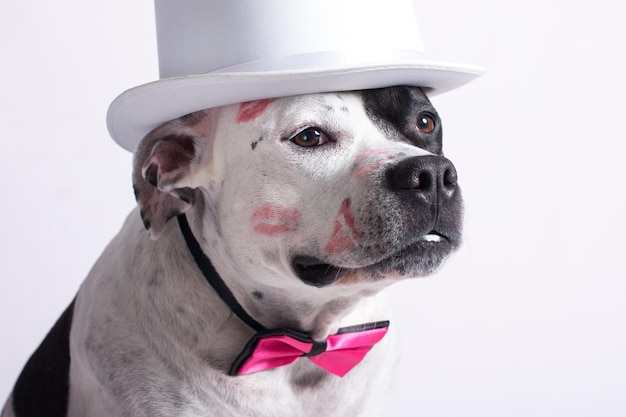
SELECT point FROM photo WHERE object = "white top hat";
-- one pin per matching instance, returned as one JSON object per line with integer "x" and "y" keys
{"x": 218, "y": 52}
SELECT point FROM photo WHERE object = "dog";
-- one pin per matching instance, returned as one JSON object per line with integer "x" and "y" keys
{"x": 306, "y": 207}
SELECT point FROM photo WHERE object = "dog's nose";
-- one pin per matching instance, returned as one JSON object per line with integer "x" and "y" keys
{"x": 431, "y": 178}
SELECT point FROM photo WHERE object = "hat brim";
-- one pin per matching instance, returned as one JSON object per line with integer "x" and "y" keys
{"x": 137, "y": 111}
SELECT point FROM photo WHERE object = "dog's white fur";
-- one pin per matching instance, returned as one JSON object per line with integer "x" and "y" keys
{"x": 151, "y": 338}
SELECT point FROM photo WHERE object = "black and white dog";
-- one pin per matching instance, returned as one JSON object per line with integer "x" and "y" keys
{"x": 290, "y": 213}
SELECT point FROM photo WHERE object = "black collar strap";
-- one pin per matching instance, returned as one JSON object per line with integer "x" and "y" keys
{"x": 213, "y": 277}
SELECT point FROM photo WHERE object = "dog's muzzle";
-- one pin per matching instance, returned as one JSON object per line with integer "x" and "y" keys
{"x": 420, "y": 217}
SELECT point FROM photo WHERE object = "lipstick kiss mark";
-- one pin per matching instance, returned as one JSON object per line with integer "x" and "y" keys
{"x": 370, "y": 160}
{"x": 274, "y": 220}
{"x": 250, "y": 110}
{"x": 345, "y": 233}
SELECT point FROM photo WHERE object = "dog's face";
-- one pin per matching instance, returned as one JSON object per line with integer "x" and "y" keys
{"x": 326, "y": 189}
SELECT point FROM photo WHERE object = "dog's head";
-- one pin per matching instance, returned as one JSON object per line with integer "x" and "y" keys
{"x": 326, "y": 189}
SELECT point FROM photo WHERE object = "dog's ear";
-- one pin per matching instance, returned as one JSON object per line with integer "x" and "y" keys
{"x": 164, "y": 168}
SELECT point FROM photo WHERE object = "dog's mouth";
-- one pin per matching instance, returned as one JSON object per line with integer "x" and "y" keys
{"x": 317, "y": 272}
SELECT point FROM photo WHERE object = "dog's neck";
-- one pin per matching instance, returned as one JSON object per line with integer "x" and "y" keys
{"x": 208, "y": 270}
{"x": 316, "y": 311}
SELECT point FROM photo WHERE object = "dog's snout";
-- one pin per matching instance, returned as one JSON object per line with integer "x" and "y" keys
{"x": 429, "y": 177}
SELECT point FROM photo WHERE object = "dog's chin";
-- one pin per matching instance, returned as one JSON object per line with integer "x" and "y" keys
{"x": 418, "y": 259}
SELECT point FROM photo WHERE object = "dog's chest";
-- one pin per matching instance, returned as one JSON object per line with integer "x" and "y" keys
{"x": 300, "y": 390}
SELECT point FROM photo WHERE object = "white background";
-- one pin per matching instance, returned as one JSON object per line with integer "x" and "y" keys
{"x": 527, "y": 319}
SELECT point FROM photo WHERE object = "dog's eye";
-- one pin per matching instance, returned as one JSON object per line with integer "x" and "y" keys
{"x": 425, "y": 123}
{"x": 310, "y": 137}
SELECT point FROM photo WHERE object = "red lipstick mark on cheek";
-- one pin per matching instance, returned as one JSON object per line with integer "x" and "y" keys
{"x": 345, "y": 233}
{"x": 370, "y": 160}
{"x": 274, "y": 220}
{"x": 250, "y": 110}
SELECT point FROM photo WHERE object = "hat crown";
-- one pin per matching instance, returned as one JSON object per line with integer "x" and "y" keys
{"x": 203, "y": 36}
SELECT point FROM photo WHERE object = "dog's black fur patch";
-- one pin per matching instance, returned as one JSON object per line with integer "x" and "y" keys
{"x": 398, "y": 109}
{"x": 42, "y": 388}
{"x": 256, "y": 142}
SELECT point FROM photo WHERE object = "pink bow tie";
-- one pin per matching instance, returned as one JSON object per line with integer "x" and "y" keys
{"x": 338, "y": 354}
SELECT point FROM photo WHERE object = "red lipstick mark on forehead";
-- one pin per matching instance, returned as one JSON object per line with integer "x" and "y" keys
{"x": 274, "y": 220}
{"x": 250, "y": 110}
{"x": 345, "y": 234}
